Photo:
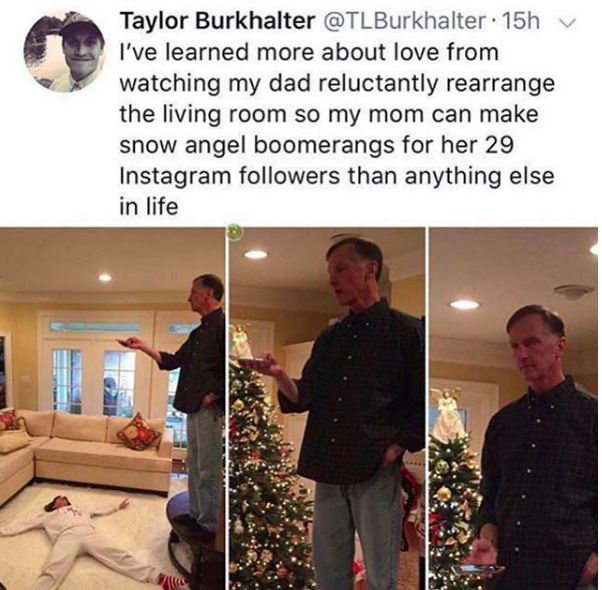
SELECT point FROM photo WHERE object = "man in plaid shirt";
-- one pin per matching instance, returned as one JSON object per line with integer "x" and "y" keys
{"x": 539, "y": 513}
{"x": 364, "y": 389}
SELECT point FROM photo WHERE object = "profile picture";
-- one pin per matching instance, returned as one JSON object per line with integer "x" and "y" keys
{"x": 64, "y": 51}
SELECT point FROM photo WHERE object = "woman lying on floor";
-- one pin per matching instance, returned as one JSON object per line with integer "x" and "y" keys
{"x": 71, "y": 531}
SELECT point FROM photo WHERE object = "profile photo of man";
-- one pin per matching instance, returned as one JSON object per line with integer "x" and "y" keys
{"x": 65, "y": 52}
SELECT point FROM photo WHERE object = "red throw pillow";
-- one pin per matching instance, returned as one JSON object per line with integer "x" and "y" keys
{"x": 8, "y": 420}
{"x": 138, "y": 434}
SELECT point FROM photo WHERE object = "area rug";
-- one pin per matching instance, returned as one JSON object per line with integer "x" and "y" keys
{"x": 141, "y": 529}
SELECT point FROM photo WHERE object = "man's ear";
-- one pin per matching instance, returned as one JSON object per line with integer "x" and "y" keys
{"x": 371, "y": 268}
{"x": 560, "y": 346}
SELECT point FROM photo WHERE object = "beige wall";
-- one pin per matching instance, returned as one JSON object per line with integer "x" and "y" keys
{"x": 590, "y": 382}
{"x": 21, "y": 321}
{"x": 408, "y": 295}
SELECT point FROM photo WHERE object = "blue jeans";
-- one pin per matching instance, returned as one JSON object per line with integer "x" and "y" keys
{"x": 204, "y": 459}
{"x": 373, "y": 508}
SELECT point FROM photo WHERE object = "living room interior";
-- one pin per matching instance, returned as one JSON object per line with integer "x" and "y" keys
{"x": 281, "y": 296}
{"x": 66, "y": 297}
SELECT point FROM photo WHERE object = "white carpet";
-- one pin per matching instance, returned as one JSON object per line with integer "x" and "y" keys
{"x": 142, "y": 529}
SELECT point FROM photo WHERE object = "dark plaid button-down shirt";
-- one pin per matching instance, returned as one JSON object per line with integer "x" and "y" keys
{"x": 201, "y": 360}
{"x": 540, "y": 486}
{"x": 364, "y": 388}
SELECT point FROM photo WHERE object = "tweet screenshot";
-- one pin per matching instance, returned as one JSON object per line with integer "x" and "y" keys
{"x": 299, "y": 296}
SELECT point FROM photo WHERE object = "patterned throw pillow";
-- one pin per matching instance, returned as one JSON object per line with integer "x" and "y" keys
{"x": 138, "y": 434}
{"x": 8, "y": 420}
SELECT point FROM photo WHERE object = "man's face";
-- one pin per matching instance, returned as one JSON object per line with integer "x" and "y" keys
{"x": 82, "y": 48}
{"x": 349, "y": 274}
{"x": 536, "y": 352}
{"x": 199, "y": 296}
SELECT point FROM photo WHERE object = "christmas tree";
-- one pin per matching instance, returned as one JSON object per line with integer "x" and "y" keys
{"x": 269, "y": 511}
{"x": 454, "y": 499}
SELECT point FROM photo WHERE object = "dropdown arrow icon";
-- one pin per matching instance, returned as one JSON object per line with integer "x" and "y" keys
{"x": 569, "y": 24}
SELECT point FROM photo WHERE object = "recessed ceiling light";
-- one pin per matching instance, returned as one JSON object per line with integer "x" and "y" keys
{"x": 256, "y": 254}
{"x": 105, "y": 278}
{"x": 464, "y": 304}
{"x": 594, "y": 250}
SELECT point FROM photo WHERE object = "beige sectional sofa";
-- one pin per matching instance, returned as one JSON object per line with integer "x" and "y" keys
{"x": 85, "y": 449}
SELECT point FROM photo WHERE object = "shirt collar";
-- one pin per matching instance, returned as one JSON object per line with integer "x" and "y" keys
{"x": 216, "y": 315}
{"x": 553, "y": 396}
{"x": 371, "y": 313}
{"x": 80, "y": 84}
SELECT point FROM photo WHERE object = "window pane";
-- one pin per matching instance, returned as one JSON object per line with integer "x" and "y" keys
{"x": 129, "y": 327}
{"x": 67, "y": 380}
{"x": 118, "y": 384}
{"x": 182, "y": 328}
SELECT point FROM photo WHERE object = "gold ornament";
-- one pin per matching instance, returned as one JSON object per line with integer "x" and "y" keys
{"x": 442, "y": 467}
{"x": 233, "y": 567}
{"x": 444, "y": 494}
{"x": 238, "y": 405}
{"x": 463, "y": 538}
{"x": 234, "y": 232}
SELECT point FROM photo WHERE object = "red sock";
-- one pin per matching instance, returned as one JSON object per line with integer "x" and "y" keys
{"x": 168, "y": 582}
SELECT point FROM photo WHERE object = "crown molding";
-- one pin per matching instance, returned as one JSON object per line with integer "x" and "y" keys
{"x": 406, "y": 266}
{"x": 497, "y": 355}
{"x": 115, "y": 298}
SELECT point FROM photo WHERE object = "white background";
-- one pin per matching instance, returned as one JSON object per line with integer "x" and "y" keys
{"x": 59, "y": 151}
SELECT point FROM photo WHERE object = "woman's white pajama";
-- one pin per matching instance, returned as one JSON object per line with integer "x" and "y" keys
{"x": 73, "y": 534}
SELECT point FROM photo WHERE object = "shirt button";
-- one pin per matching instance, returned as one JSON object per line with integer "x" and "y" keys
{"x": 336, "y": 420}
{"x": 533, "y": 445}
{"x": 528, "y": 470}
{"x": 332, "y": 440}
{"x": 518, "y": 523}
{"x": 367, "y": 324}
{"x": 551, "y": 407}
{"x": 349, "y": 357}
{"x": 355, "y": 335}
{"x": 538, "y": 420}
{"x": 523, "y": 496}
{"x": 516, "y": 549}
{"x": 340, "y": 399}
{"x": 345, "y": 378}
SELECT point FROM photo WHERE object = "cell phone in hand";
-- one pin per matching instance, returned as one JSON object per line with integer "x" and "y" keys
{"x": 263, "y": 363}
{"x": 471, "y": 569}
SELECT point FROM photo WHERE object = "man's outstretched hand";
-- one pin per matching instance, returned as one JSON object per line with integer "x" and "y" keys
{"x": 124, "y": 504}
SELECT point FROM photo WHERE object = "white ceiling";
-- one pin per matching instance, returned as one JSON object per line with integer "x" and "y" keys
{"x": 505, "y": 269}
{"x": 60, "y": 261}
{"x": 296, "y": 255}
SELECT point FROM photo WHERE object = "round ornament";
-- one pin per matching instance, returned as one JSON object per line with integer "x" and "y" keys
{"x": 234, "y": 232}
{"x": 444, "y": 494}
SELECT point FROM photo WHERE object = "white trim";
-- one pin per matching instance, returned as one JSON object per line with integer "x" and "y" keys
{"x": 406, "y": 266}
{"x": 466, "y": 352}
{"x": 283, "y": 299}
{"x": 8, "y": 367}
{"x": 92, "y": 344}
{"x": 77, "y": 298}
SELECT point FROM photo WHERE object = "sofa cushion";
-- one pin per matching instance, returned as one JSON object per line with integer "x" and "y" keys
{"x": 11, "y": 440}
{"x": 77, "y": 427}
{"x": 14, "y": 462}
{"x": 116, "y": 424}
{"x": 38, "y": 423}
{"x": 101, "y": 455}
{"x": 138, "y": 434}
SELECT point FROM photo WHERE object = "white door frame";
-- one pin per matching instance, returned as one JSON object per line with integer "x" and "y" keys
{"x": 8, "y": 367}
